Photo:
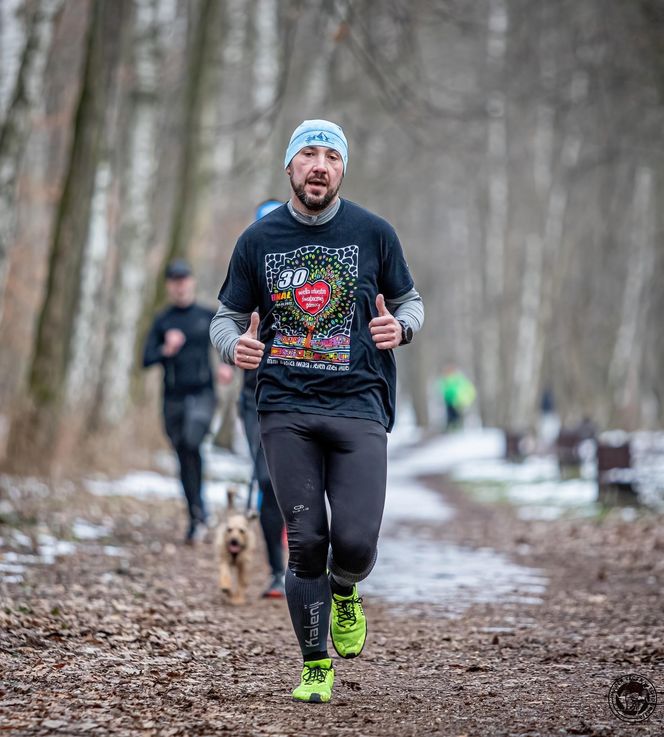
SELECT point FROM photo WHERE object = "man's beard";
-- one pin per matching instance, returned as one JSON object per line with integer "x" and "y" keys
{"x": 314, "y": 204}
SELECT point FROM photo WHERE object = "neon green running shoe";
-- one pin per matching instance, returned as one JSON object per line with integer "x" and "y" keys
{"x": 317, "y": 681}
{"x": 348, "y": 624}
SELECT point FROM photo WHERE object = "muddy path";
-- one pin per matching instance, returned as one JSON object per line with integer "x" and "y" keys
{"x": 128, "y": 635}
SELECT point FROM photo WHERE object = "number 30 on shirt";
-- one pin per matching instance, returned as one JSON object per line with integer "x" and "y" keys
{"x": 292, "y": 278}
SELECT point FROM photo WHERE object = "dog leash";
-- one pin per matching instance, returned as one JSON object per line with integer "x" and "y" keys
{"x": 254, "y": 480}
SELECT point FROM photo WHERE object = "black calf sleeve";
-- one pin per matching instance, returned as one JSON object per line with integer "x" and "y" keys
{"x": 309, "y": 606}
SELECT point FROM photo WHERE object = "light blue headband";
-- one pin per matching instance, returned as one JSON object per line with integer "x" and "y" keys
{"x": 317, "y": 133}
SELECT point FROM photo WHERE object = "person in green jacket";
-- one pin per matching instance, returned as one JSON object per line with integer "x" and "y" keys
{"x": 458, "y": 394}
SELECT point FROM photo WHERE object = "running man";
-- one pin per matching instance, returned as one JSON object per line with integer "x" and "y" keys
{"x": 335, "y": 298}
{"x": 179, "y": 340}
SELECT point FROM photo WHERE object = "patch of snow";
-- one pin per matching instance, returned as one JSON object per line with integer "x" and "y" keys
{"x": 222, "y": 465}
{"x": 51, "y": 548}
{"x": 407, "y": 500}
{"x": 11, "y": 572}
{"x": 222, "y": 469}
{"x": 139, "y": 484}
{"x": 532, "y": 469}
{"x": 573, "y": 493}
{"x": 22, "y": 540}
{"x": 445, "y": 452}
{"x": 451, "y": 578}
{"x": 13, "y": 565}
{"x": 11, "y": 557}
{"x": 112, "y": 551}
{"x": 84, "y": 530}
{"x": 418, "y": 568}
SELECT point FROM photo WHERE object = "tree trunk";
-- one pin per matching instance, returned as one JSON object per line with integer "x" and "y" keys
{"x": 13, "y": 36}
{"x": 202, "y": 19}
{"x": 526, "y": 379}
{"x": 87, "y": 338}
{"x": 625, "y": 364}
{"x": 554, "y": 260}
{"x": 135, "y": 229}
{"x": 496, "y": 219}
{"x": 526, "y": 382}
{"x": 186, "y": 193}
{"x": 37, "y": 432}
{"x": 25, "y": 98}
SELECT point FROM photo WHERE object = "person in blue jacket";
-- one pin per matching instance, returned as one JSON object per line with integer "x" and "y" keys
{"x": 272, "y": 523}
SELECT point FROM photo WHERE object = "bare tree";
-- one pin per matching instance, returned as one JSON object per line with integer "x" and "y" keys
{"x": 628, "y": 351}
{"x": 497, "y": 204}
{"x": 515, "y": 147}
{"x": 22, "y": 103}
{"x": 135, "y": 232}
{"x": 37, "y": 432}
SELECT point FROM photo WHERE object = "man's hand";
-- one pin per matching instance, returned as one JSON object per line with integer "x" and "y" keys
{"x": 249, "y": 350}
{"x": 174, "y": 339}
{"x": 385, "y": 329}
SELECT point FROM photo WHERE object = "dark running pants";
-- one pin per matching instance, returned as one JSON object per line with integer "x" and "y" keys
{"x": 187, "y": 419}
{"x": 311, "y": 456}
{"x": 272, "y": 523}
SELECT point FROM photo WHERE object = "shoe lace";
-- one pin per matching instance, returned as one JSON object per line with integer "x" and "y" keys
{"x": 314, "y": 674}
{"x": 346, "y": 612}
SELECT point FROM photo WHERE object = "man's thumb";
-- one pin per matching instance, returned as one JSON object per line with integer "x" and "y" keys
{"x": 380, "y": 305}
{"x": 253, "y": 327}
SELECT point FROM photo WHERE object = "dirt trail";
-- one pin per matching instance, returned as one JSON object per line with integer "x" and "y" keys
{"x": 139, "y": 642}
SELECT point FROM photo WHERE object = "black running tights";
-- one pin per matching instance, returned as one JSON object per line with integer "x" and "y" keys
{"x": 310, "y": 456}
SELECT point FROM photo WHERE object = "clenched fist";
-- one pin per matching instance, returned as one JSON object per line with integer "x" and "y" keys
{"x": 174, "y": 339}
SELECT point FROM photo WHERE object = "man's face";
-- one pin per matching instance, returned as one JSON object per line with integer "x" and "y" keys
{"x": 181, "y": 291}
{"x": 316, "y": 173}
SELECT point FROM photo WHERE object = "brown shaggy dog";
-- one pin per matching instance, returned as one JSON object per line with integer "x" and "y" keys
{"x": 235, "y": 542}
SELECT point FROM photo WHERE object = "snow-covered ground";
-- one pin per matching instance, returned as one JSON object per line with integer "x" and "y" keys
{"x": 222, "y": 469}
{"x": 414, "y": 567}
{"x": 476, "y": 457}
{"x": 411, "y": 567}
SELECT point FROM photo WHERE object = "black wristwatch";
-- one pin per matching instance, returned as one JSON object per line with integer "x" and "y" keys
{"x": 406, "y": 333}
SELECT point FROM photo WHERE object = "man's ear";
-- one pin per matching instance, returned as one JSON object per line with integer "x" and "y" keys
{"x": 288, "y": 170}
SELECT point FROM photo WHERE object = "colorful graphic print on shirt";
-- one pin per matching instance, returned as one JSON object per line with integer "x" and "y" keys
{"x": 313, "y": 291}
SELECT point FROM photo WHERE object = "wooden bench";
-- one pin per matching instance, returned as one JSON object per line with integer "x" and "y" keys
{"x": 514, "y": 442}
{"x": 615, "y": 475}
{"x": 569, "y": 447}
{"x": 568, "y": 453}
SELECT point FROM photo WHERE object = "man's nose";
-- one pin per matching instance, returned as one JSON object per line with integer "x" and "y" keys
{"x": 320, "y": 163}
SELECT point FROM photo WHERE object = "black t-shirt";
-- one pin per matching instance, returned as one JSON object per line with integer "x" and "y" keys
{"x": 189, "y": 371}
{"x": 315, "y": 287}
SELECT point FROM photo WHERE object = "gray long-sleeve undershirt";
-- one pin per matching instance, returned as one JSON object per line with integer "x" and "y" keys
{"x": 225, "y": 330}
{"x": 228, "y": 325}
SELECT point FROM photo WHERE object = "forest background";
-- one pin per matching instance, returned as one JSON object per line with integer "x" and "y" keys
{"x": 516, "y": 146}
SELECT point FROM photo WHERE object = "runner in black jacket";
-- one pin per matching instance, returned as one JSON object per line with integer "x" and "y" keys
{"x": 179, "y": 341}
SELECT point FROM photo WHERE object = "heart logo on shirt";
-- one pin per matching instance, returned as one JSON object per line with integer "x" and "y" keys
{"x": 312, "y": 298}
